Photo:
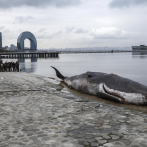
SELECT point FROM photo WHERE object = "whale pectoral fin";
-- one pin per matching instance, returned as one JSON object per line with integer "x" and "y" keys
{"x": 127, "y": 98}
{"x": 110, "y": 97}
{"x": 113, "y": 94}
{"x": 102, "y": 92}
{"x": 123, "y": 97}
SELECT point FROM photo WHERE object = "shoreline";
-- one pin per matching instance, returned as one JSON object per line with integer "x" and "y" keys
{"x": 37, "y": 111}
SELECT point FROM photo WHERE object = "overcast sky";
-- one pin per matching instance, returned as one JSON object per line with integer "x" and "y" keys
{"x": 75, "y": 23}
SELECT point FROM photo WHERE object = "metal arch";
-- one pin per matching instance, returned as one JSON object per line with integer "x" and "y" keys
{"x": 26, "y": 35}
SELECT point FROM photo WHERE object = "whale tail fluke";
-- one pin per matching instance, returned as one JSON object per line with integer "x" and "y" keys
{"x": 59, "y": 75}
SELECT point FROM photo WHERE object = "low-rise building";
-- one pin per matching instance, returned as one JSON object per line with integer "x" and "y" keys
{"x": 13, "y": 47}
{"x": 139, "y": 48}
{"x": 6, "y": 48}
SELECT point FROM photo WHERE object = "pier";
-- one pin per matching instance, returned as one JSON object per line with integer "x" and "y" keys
{"x": 29, "y": 55}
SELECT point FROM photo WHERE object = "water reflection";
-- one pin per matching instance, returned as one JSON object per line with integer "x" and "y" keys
{"x": 141, "y": 54}
{"x": 39, "y": 66}
{"x": 28, "y": 65}
{"x": 33, "y": 59}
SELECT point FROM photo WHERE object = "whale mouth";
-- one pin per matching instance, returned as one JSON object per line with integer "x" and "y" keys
{"x": 123, "y": 97}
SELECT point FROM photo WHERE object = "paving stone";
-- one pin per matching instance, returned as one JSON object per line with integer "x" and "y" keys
{"x": 114, "y": 137}
{"x": 102, "y": 141}
{"x": 126, "y": 141}
{"x": 135, "y": 146}
{"x": 42, "y": 135}
{"x": 65, "y": 140}
{"x": 21, "y": 143}
{"x": 45, "y": 138}
{"x": 54, "y": 128}
{"x": 88, "y": 136}
{"x": 20, "y": 135}
{"x": 106, "y": 137}
{"x": 119, "y": 143}
{"x": 79, "y": 145}
{"x": 86, "y": 143}
{"x": 29, "y": 133}
{"x": 108, "y": 145}
{"x": 106, "y": 126}
{"x": 90, "y": 140}
{"x": 94, "y": 144}
{"x": 98, "y": 138}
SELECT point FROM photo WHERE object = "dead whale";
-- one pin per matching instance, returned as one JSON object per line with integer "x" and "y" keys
{"x": 108, "y": 86}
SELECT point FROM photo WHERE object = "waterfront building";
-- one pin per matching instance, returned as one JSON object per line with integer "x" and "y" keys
{"x": 6, "y": 48}
{"x": 139, "y": 48}
{"x": 22, "y": 37}
{"x": 13, "y": 47}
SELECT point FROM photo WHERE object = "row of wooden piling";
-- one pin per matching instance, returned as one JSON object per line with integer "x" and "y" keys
{"x": 29, "y": 55}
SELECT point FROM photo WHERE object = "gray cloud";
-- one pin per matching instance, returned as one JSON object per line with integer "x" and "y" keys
{"x": 126, "y": 3}
{"x": 21, "y": 19}
{"x": 69, "y": 29}
{"x": 2, "y": 28}
{"x": 42, "y": 30}
{"x": 109, "y": 33}
{"x": 54, "y": 34}
{"x": 5, "y": 4}
{"x": 48, "y": 36}
{"x": 8, "y": 34}
{"x": 81, "y": 31}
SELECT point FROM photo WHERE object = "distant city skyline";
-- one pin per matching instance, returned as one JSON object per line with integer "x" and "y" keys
{"x": 75, "y": 23}
{"x": 106, "y": 48}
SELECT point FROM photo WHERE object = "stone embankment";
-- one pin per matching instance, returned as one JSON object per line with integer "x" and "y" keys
{"x": 37, "y": 112}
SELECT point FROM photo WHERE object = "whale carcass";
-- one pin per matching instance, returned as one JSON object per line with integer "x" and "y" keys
{"x": 108, "y": 86}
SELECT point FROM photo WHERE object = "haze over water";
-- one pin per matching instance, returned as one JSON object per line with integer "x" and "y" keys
{"x": 129, "y": 65}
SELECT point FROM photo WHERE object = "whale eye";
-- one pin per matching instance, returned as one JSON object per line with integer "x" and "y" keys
{"x": 89, "y": 76}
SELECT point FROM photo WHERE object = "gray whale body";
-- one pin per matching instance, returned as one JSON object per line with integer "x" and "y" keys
{"x": 108, "y": 86}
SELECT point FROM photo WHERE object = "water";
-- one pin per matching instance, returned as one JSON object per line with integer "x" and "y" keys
{"x": 129, "y": 65}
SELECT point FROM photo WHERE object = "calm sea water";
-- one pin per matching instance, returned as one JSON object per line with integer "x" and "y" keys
{"x": 129, "y": 65}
